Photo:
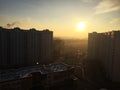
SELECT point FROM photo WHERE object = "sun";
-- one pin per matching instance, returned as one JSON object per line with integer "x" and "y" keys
{"x": 81, "y": 26}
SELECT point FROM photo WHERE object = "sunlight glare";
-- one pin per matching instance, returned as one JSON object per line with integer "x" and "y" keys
{"x": 81, "y": 26}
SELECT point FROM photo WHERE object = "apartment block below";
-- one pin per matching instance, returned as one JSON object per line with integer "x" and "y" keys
{"x": 105, "y": 47}
{"x": 42, "y": 77}
{"x": 25, "y": 47}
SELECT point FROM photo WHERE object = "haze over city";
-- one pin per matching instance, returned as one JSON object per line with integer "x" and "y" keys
{"x": 59, "y": 44}
{"x": 67, "y": 18}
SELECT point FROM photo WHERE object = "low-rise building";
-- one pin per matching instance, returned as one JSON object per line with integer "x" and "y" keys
{"x": 29, "y": 77}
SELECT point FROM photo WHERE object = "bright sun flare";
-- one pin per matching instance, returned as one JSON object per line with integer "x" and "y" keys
{"x": 81, "y": 26}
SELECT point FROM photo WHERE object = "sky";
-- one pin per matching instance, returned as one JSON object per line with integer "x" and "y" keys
{"x": 61, "y": 16}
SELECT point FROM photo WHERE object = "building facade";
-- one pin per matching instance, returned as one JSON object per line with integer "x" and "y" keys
{"x": 25, "y": 47}
{"x": 106, "y": 48}
{"x": 42, "y": 77}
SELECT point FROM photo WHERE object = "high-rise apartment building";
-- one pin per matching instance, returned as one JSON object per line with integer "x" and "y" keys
{"x": 106, "y": 48}
{"x": 25, "y": 47}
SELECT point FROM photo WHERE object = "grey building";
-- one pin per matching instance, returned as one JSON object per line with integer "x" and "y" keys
{"x": 25, "y": 47}
{"x": 106, "y": 48}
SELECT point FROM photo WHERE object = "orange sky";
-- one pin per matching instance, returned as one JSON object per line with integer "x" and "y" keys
{"x": 62, "y": 16}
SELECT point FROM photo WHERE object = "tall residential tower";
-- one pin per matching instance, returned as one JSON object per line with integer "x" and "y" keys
{"x": 25, "y": 47}
{"x": 106, "y": 48}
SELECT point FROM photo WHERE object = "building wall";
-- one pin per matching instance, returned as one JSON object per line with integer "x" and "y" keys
{"x": 92, "y": 45}
{"x": 46, "y": 45}
{"x": 116, "y": 57}
{"x": 25, "y": 47}
{"x": 17, "y": 84}
{"x": 106, "y": 48}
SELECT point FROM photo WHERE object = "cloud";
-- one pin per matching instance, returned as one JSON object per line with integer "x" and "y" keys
{"x": 26, "y": 20}
{"x": 106, "y": 6}
{"x": 88, "y": 1}
{"x": 23, "y": 23}
{"x": 13, "y": 24}
{"x": 115, "y": 20}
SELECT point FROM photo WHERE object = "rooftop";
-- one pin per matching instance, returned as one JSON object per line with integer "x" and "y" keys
{"x": 19, "y": 29}
{"x": 23, "y": 72}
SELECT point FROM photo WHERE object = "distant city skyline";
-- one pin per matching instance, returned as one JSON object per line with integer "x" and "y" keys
{"x": 61, "y": 16}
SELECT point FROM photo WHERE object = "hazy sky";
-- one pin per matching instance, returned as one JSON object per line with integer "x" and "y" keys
{"x": 61, "y": 16}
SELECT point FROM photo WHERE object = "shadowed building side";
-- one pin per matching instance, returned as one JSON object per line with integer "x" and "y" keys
{"x": 46, "y": 45}
{"x": 25, "y": 47}
{"x": 106, "y": 48}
